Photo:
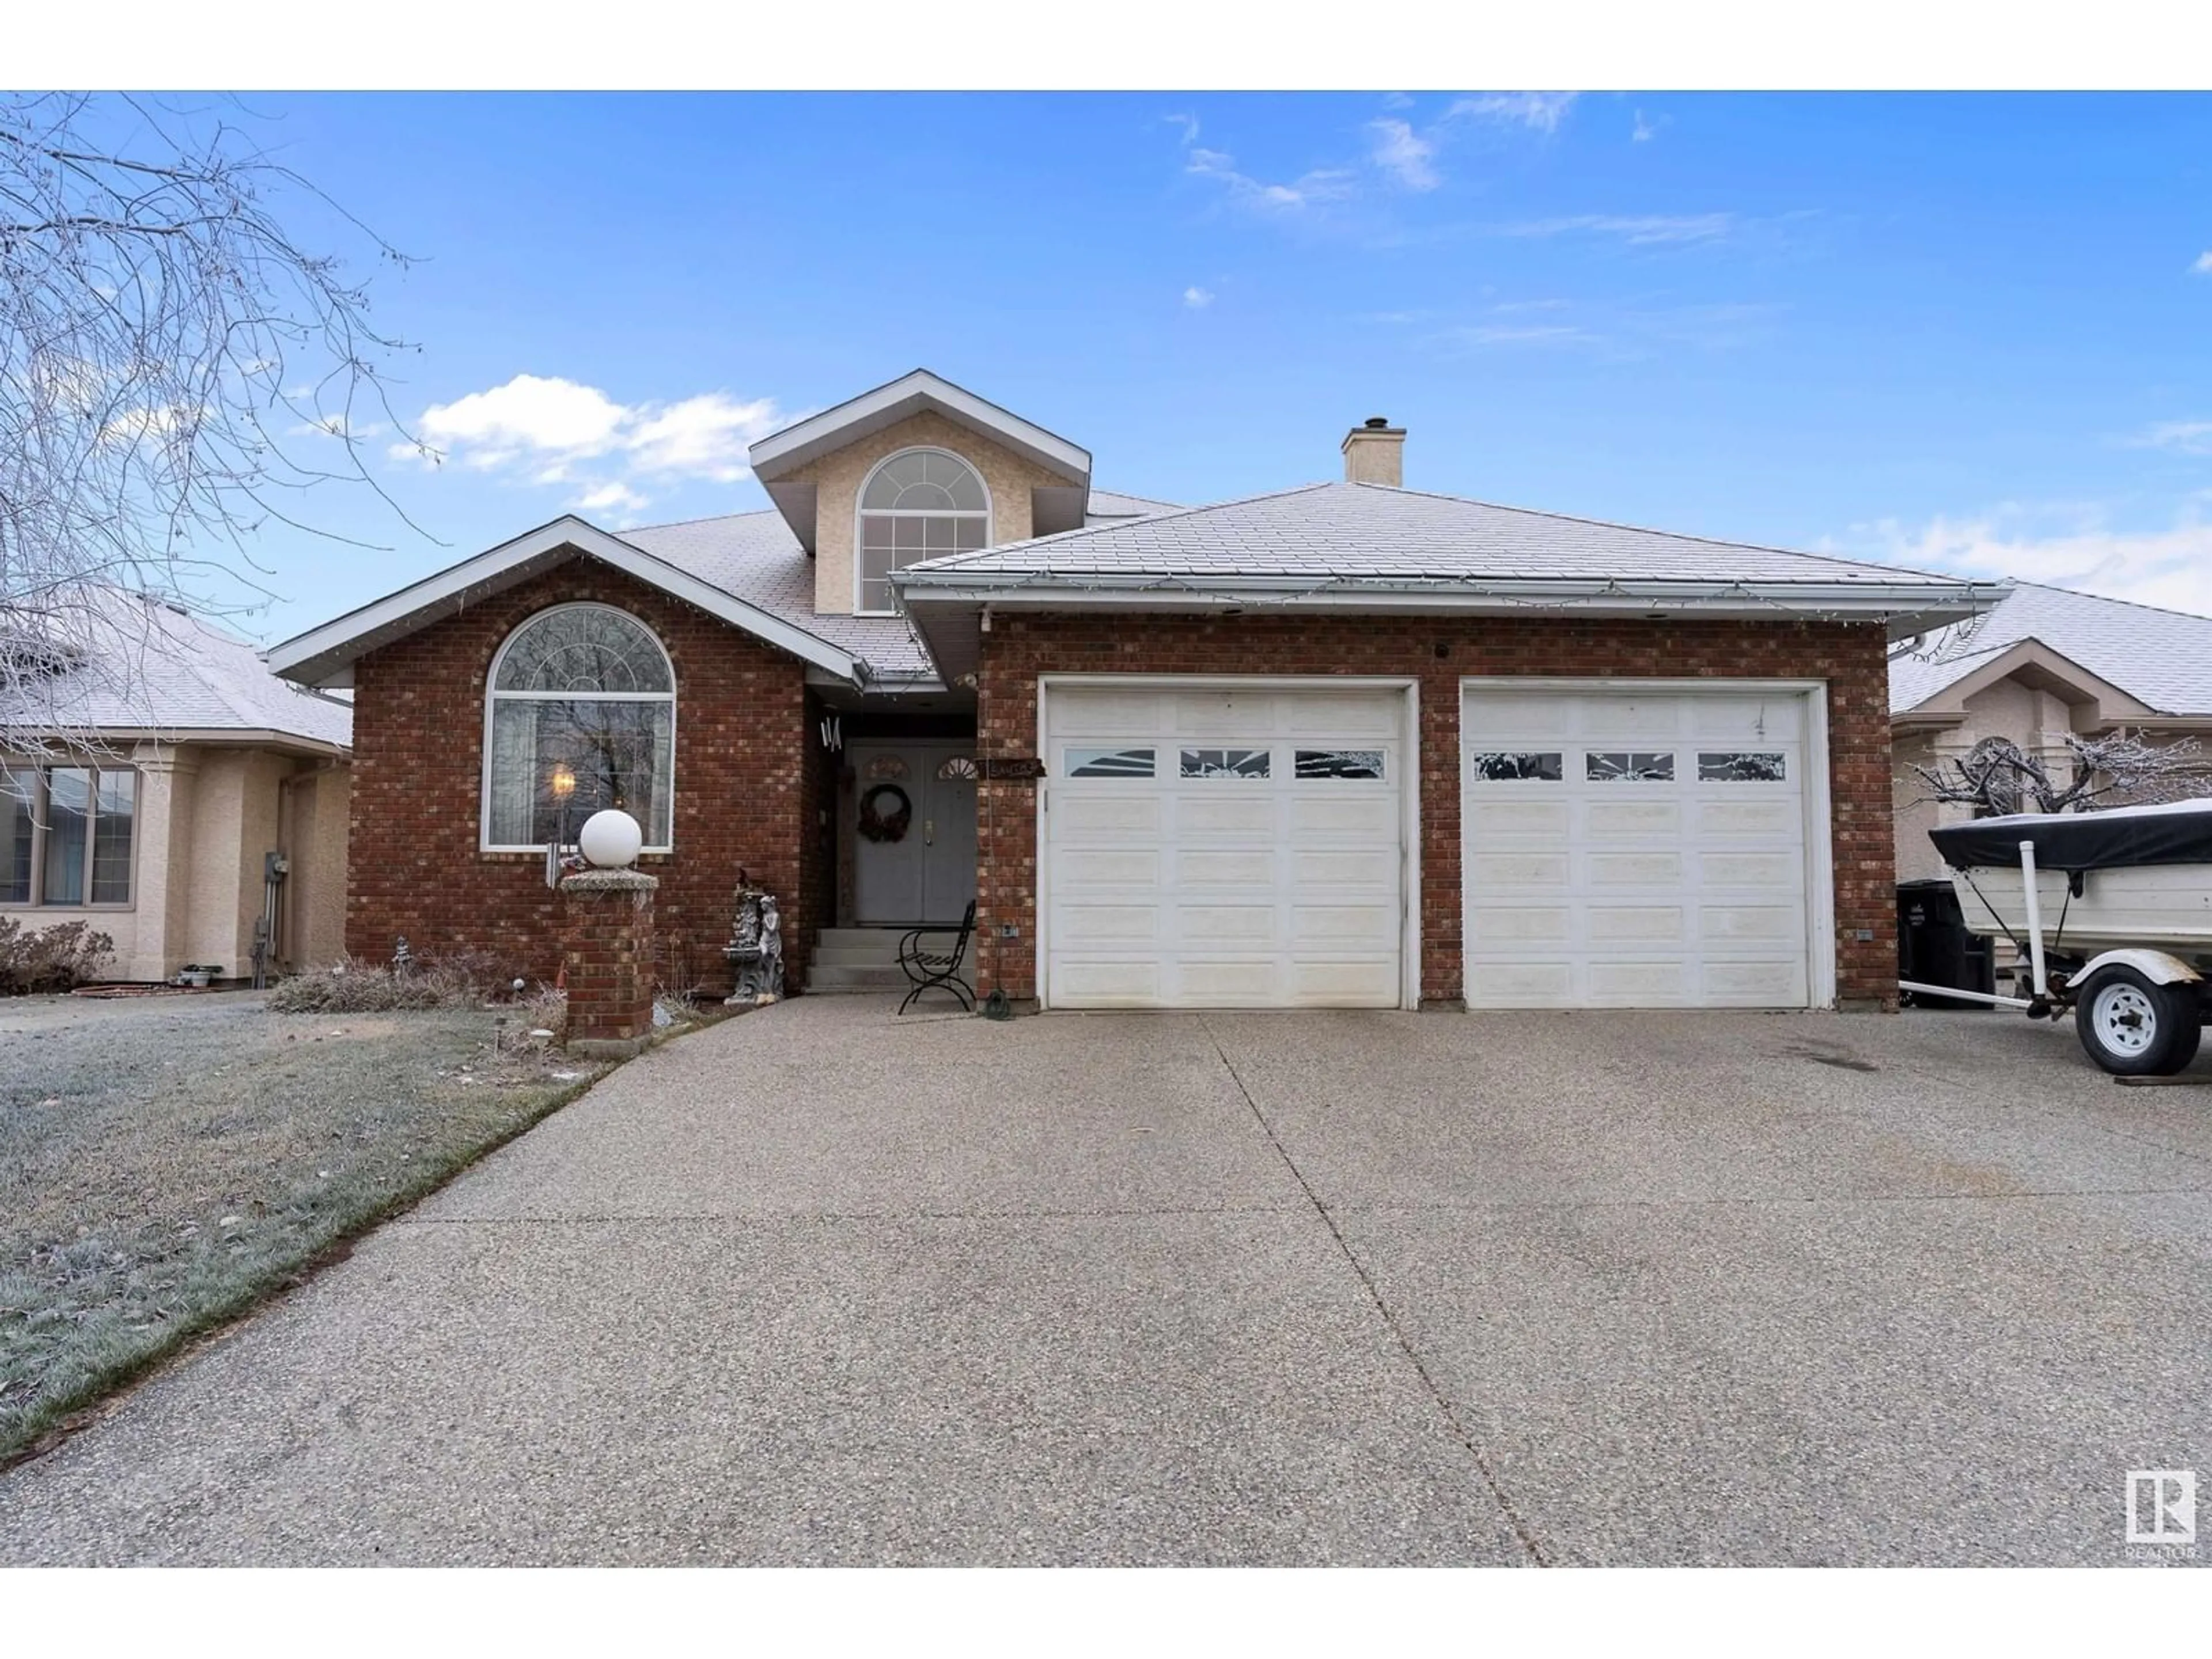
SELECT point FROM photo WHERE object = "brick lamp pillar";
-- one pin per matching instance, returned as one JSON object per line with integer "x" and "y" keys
{"x": 606, "y": 944}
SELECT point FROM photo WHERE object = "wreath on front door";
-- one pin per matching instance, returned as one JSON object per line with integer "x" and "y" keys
{"x": 878, "y": 824}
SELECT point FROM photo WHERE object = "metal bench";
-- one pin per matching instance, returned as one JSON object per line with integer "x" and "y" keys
{"x": 929, "y": 969}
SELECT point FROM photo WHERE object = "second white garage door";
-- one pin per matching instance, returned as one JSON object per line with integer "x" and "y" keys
{"x": 1210, "y": 847}
{"x": 1635, "y": 849}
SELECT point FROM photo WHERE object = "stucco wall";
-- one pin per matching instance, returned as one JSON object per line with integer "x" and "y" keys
{"x": 837, "y": 476}
{"x": 205, "y": 815}
{"x": 1916, "y": 814}
{"x": 1849, "y": 657}
{"x": 220, "y": 817}
{"x": 315, "y": 894}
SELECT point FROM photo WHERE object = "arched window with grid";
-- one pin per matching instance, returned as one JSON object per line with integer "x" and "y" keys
{"x": 918, "y": 504}
{"x": 580, "y": 715}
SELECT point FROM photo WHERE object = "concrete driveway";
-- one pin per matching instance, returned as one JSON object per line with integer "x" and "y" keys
{"x": 820, "y": 1285}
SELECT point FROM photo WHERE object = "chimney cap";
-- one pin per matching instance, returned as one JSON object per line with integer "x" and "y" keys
{"x": 1378, "y": 423}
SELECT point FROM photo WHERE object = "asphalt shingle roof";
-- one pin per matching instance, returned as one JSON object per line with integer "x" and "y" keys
{"x": 755, "y": 557}
{"x": 1110, "y": 505}
{"x": 160, "y": 670}
{"x": 1372, "y": 530}
{"x": 2162, "y": 658}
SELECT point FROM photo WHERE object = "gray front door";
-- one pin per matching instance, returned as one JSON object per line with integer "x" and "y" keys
{"x": 914, "y": 832}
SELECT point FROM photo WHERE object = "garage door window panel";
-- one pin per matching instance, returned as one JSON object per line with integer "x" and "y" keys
{"x": 1107, "y": 763}
{"x": 1628, "y": 766}
{"x": 1363, "y": 765}
{"x": 1517, "y": 766}
{"x": 1741, "y": 767}
{"x": 1224, "y": 764}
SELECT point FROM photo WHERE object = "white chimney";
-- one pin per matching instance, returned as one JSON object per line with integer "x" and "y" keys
{"x": 1375, "y": 454}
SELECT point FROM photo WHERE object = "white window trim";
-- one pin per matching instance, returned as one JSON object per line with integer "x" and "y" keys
{"x": 862, "y": 514}
{"x": 493, "y": 698}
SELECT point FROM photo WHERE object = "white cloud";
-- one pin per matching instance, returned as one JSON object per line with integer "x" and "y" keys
{"x": 546, "y": 428}
{"x": 706, "y": 436}
{"x": 2182, "y": 437}
{"x": 1541, "y": 112}
{"x": 531, "y": 414}
{"x": 2170, "y": 567}
{"x": 1638, "y": 230}
{"x": 1321, "y": 185}
{"x": 2202, "y": 263}
{"x": 609, "y": 498}
{"x": 1644, "y": 132}
{"x": 1197, "y": 298}
{"x": 1404, "y": 154}
{"x": 1186, "y": 125}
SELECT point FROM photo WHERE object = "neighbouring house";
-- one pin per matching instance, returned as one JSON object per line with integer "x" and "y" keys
{"x": 1351, "y": 744}
{"x": 150, "y": 772}
{"x": 2039, "y": 664}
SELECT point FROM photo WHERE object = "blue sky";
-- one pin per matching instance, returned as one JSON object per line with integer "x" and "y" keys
{"x": 1968, "y": 332}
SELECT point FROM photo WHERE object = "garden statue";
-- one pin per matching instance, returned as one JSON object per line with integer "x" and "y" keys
{"x": 771, "y": 936}
{"x": 755, "y": 952}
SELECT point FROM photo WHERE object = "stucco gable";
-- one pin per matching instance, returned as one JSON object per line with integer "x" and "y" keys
{"x": 833, "y": 480}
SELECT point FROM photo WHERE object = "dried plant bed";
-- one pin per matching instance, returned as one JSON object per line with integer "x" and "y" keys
{"x": 164, "y": 1168}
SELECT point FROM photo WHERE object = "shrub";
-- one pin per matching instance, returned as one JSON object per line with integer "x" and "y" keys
{"x": 57, "y": 959}
{"x": 464, "y": 980}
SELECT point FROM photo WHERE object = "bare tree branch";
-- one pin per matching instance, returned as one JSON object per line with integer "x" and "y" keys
{"x": 1999, "y": 777}
{"x": 176, "y": 372}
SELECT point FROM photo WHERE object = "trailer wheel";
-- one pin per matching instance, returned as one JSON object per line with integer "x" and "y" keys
{"x": 2133, "y": 1028}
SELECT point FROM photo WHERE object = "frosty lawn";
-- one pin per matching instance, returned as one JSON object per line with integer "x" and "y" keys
{"x": 166, "y": 1162}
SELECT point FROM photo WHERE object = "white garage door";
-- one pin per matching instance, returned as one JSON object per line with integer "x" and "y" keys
{"x": 1634, "y": 849}
{"x": 1212, "y": 848}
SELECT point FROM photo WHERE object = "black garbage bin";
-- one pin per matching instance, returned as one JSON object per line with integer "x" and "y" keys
{"x": 1935, "y": 948}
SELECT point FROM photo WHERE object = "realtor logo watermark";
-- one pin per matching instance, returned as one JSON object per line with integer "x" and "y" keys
{"x": 2162, "y": 1511}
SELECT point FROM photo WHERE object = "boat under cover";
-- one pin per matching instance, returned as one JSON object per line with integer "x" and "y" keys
{"x": 2126, "y": 837}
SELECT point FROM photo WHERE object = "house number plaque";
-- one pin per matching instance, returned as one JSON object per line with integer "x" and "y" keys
{"x": 1013, "y": 768}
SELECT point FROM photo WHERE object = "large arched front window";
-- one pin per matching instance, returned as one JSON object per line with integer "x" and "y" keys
{"x": 919, "y": 504}
{"x": 582, "y": 716}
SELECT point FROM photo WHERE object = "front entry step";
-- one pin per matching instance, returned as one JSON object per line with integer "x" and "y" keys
{"x": 848, "y": 959}
{"x": 858, "y": 947}
{"x": 833, "y": 977}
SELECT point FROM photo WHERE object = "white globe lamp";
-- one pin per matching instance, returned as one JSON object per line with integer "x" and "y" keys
{"x": 609, "y": 840}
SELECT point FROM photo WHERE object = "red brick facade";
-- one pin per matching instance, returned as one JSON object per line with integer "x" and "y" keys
{"x": 607, "y": 950}
{"x": 1849, "y": 657}
{"x": 754, "y": 787}
{"x": 744, "y": 793}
